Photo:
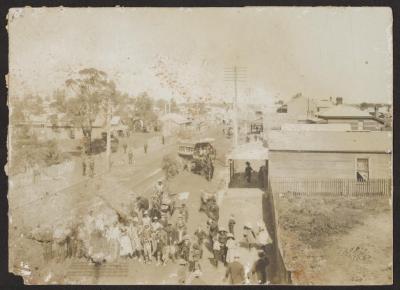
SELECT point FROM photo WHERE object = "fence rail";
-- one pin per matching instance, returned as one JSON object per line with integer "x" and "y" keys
{"x": 330, "y": 187}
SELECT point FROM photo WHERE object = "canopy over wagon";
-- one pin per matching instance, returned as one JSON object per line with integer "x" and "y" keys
{"x": 198, "y": 156}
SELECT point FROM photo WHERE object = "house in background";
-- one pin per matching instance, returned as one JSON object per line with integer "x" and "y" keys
{"x": 172, "y": 123}
{"x": 357, "y": 118}
{"x": 118, "y": 128}
{"x": 354, "y": 156}
{"x": 324, "y": 104}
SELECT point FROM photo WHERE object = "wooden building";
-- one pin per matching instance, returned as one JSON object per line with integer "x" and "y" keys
{"x": 172, "y": 123}
{"x": 330, "y": 161}
{"x": 357, "y": 118}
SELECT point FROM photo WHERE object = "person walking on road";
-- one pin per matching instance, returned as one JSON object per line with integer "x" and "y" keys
{"x": 145, "y": 146}
{"x": 235, "y": 271}
{"x": 125, "y": 146}
{"x": 258, "y": 272}
{"x": 223, "y": 238}
{"x": 130, "y": 156}
{"x": 91, "y": 166}
{"x": 84, "y": 165}
{"x": 36, "y": 173}
{"x": 163, "y": 139}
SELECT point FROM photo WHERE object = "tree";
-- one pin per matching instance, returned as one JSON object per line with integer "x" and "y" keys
{"x": 144, "y": 105}
{"x": 90, "y": 92}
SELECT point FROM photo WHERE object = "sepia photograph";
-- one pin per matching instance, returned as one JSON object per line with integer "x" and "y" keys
{"x": 200, "y": 146}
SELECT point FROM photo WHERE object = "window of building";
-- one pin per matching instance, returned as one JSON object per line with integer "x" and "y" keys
{"x": 362, "y": 170}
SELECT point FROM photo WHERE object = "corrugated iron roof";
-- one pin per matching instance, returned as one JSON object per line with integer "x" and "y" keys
{"x": 342, "y": 111}
{"x": 249, "y": 151}
{"x": 316, "y": 127}
{"x": 330, "y": 141}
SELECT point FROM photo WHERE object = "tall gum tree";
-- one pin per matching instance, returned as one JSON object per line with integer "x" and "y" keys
{"x": 86, "y": 97}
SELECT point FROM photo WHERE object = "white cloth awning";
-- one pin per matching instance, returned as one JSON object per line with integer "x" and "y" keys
{"x": 249, "y": 151}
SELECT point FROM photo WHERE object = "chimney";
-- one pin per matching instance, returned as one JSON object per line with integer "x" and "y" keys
{"x": 376, "y": 111}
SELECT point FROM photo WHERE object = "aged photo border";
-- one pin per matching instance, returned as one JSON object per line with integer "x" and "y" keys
{"x": 10, "y": 281}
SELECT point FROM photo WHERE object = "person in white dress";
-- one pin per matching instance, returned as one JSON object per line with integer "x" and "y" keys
{"x": 232, "y": 247}
{"x": 112, "y": 235}
{"x": 125, "y": 243}
{"x": 133, "y": 232}
{"x": 263, "y": 238}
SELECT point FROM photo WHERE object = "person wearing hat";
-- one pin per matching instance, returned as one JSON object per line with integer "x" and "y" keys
{"x": 216, "y": 250}
{"x": 142, "y": 204}
{"x": 155, "y": 225}
{"x": 235, "y": 271}
{"x": 247, "y": 172}
{"x": 133, "y": 231}
{"x": 249, "y": 236}
{"x": 258, "y": 272}
{"x": 232, "y": 247}
{"x": 213, "y": 229}
{"x": 184, "y": 212}
{"x": 213, "y": 210}
{"x": 146, "y": 242}
{"x": 146, "y": 220}
{"x": 165, "y": 255}
{"x": 171, "y": 241}
{"x": 194, "y": 257}
{"x": 164, "y": 220}
{"x": 159, "y": 187}
{"x": 223, "y": 238}
{"x": 185, "y": 248}
{"x": 158, "y": 246}
{"x": 201, "y": 235}
{"x": 182, "y": 271}
{"x": 156, "y": 212}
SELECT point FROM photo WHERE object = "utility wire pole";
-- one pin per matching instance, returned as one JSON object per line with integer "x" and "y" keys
{"x": 108, "y": 148}
{"x": 235, "y": 74}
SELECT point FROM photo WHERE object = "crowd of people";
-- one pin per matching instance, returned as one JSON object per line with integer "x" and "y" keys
{"x": 151, "y": 231}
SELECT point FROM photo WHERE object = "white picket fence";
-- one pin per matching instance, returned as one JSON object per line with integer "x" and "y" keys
{"x": 330, "y": 187}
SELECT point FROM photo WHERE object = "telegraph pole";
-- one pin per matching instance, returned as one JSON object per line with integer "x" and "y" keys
{"x": 108, "y": 148}
{"x": 235, "y": 75}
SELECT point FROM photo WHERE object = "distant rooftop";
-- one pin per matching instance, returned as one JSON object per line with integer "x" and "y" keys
{"x": 316, "y": 127}
{"x": 342, "y": 111}
{"x": 177, "y": 118}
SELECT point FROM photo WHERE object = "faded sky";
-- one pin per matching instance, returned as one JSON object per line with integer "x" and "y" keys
{"x": 320, "y": 52}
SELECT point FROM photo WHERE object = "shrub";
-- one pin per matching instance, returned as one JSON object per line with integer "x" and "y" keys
{"x": 170, "y": 165}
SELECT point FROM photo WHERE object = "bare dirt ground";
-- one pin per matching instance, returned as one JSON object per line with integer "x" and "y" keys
{"x": 342, "y": 241}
